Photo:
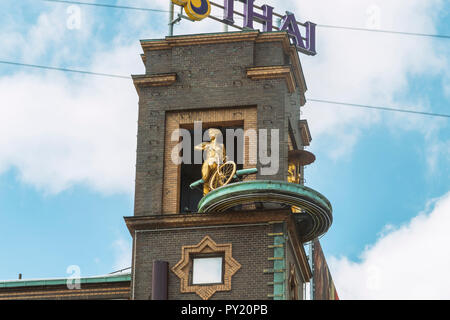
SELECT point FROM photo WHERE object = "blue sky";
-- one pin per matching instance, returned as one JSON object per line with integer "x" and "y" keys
{"x": 67, "y": 142}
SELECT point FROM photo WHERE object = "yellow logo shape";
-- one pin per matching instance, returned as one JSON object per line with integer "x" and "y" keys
{"x": 195, "y": 9}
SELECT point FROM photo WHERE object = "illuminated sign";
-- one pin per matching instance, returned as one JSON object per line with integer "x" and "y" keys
{"x": 195, "y": 9}
{"x": 200, "y": 9}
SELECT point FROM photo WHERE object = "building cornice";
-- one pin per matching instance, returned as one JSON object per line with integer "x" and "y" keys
{"x": 304, "y": 132}
{"x": 168, "y": 221}
{"x": 273, "y": 72}
{"x": 227, "y": 37}
{"x": 154, "y": 80}
{"x": 199, "y": 39}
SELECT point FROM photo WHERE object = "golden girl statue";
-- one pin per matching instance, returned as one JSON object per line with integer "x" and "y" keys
{"x": 215, "y": 156}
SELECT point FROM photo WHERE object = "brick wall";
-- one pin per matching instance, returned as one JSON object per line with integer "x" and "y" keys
{"x": 250, "y": 249}
{"x": 209, "y": 77}
{"x": 212, "y": 86}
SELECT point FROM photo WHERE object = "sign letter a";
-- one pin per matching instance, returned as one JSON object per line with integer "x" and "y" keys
{"x": 289, "y": 23}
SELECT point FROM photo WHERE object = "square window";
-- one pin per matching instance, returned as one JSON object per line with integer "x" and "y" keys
{"x": 207, "y": 270}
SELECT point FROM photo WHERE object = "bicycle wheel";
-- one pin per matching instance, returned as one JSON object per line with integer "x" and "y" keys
{"x": 223, "y": 175}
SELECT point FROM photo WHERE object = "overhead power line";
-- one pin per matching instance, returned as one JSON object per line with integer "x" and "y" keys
{"x": 105, "y": 5}
{"x": 64, "y": 69}
{"x": 120, "y": 270}
{"x": 315, "y": 100}
{"x": 380, "y": 108}
{"x": 444, "y": 36}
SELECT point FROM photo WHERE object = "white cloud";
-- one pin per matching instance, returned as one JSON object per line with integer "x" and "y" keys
{"x": 122, "y": 254}
{"x": 47, "y": 36}
{"x": 367, "y": 68}
{"x": 361, "y": 67}
{"x": 408, "y": 262}
{"x": 439, "y": 150}
{"x": 59, "y": 130}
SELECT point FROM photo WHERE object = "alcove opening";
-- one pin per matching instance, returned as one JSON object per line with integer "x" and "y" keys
{"x": 191, "y": 172}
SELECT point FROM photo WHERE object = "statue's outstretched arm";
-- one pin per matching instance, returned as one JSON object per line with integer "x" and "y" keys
{"x": 201, "y": 146}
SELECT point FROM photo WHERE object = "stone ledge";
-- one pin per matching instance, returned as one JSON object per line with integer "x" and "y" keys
{"x": 155, "y": 222}
{"x": 178, "y": 41}
{"x": 273, "y": 72}
{"x": 157, "y": 80}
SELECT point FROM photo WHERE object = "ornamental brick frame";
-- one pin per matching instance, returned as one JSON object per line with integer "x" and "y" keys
{"x": 162, "y": 237}
{"x": 206, "y": 245}
{"x": 209, "y": 118}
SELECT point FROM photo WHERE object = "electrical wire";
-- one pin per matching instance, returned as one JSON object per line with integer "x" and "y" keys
{"x": 440, "y": 36}
{"x": 112, "y": 6}
{"x": 64, "y": 69}
{"x": 443, "y": 36}
{"x": 120, "y": 270}
{"x": 314, "y": 100}
{"x": 380, "y": 108}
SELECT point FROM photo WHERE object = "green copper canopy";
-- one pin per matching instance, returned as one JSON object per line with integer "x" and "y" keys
{"x": 315, "y": 216}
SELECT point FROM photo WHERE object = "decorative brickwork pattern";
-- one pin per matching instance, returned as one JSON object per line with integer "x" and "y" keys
{"x": 207, "y": 245}
{"x": 183, "y": 119}
{"x": 61, "y": 292}
{"x": 250, "y": 249}
{"x": 247, "y": 79}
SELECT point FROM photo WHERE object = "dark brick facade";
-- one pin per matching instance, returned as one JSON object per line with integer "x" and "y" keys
{"x": 211, "y": 74}
{"x": 250, "y": 249}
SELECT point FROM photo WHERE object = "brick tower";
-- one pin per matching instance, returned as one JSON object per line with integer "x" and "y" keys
{"x": 242, "y": 80}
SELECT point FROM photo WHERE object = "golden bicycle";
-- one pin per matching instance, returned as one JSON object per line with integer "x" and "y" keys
{"x": 224, "y": 174}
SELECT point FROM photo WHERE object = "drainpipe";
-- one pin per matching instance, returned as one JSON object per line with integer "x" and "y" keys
{"x": 160, "y": 280}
